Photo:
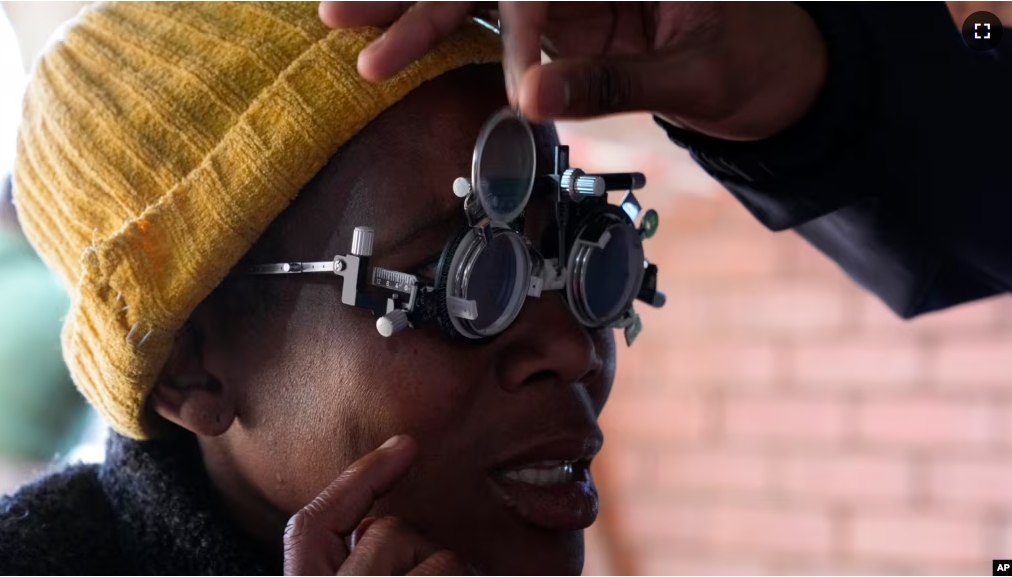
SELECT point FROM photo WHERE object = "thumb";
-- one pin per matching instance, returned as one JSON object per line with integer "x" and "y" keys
{"x": 583, "y": 88}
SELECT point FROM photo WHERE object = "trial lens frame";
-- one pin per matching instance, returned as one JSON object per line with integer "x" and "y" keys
{"x": 403, "y": 300}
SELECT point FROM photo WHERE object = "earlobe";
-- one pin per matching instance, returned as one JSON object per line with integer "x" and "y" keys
{"x": 188, "y": 395}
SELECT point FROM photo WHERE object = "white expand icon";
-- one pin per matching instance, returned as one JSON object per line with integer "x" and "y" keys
{"x": 986, "y": 25}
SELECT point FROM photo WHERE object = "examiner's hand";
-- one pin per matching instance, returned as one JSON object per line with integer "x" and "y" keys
{"x": 739, "y": 71}
{"x": 316, "y": 536}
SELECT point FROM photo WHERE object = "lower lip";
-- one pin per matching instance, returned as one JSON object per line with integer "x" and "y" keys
{"x": 572, "y": 506}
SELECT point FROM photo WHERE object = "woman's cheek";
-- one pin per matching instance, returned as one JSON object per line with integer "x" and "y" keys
{"x": 600, "y": 389}
{"x": 422, "y": 383}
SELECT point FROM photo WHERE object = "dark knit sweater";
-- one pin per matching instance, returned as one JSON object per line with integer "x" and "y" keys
{"x": 149, "y": 509}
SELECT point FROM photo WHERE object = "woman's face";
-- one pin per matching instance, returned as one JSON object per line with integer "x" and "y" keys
{"x": 316, "y": 386}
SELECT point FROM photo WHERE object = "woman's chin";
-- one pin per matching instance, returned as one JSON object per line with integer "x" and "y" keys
{"x": 550, "y": 553}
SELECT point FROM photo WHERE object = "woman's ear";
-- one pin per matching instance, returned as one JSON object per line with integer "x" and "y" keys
{"x": 187, "y": 394}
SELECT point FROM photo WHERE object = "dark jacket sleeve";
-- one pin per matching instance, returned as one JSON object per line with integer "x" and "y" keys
{"x": 900, "y": 170}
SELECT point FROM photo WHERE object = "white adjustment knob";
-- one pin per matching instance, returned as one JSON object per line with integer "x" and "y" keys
{"x": 392, "y": 323}
{"x": 361, "y": 241}
{"x": 461, "y": 187}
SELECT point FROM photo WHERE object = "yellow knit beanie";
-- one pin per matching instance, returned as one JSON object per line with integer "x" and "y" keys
{"x": 158, "y": 142}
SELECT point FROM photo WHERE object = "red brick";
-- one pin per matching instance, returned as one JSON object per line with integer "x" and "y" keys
{"x": 702, "y": 471}
{"x": 920, "y": 422}
{"x": 799, "y": 308}
{"x": 1002, "y": 414}
{"x": 664, "y": 562}
{"x": 691, "y": 215}
{"x": 799, "y": 259}
{"x": 596, "y": 560}
{"x": 735, "y": 217}
{"x": 1003, "y": 541}
{"x": 724, "y": 362}
{"x": 787, "y": 420}
{"x": 1003, "y": 309}
{"x": 688, "y": 312}
{"x": 984, "y": 481}
{"x": 876, "y": 318}
{"x": 676, "y": 177}
{"x": 770, "y": 529}
{"x": 832, "y": 566}
{"x": 627, "y": 467}
{"x": 978, "y": 362}
{"x": 728, "y": 529}
{"x": 856, "y": 364}
{"x": 853, "y": 478}
{"x": 664, "y": 524}
{"x": 917, "y": 538}
{"x": 977, "y": 316}
{"x": 975, "y": 567}
{"x": 970, "y": 318}
{"x": 723, "y": 257}
{"x": 656, "y": 419}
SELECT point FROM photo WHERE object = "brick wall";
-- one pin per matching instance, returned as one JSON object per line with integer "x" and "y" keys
{"x": 773, "y": 418}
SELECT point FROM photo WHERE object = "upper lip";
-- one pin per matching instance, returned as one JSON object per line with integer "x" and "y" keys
{"x": 571, "y": 448}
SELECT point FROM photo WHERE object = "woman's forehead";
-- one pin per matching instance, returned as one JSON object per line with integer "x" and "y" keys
{"x": 398, "y": 173}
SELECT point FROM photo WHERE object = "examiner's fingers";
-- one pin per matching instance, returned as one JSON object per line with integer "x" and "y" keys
{"x": 355, "y": 14}
{"x": 575, "y": 88}
{"x": 314, "y": 537}
{"x": 410, "y": 37}
{"x": 521, "y": 25}
{"x": 388, "y": 547}
{"x": 443, "y": 562}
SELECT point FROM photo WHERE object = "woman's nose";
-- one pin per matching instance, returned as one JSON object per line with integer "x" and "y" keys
{"x": 546, "y": 343}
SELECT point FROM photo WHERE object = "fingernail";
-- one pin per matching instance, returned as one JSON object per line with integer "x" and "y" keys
{"x": 554, "y": 95}
{"x": 392, "y": 442}
{"x": 356, "y": 535}
{"x": 374, "y": 45}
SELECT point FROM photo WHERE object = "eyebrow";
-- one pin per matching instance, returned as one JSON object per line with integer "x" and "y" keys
{"x": 421, "y": 227}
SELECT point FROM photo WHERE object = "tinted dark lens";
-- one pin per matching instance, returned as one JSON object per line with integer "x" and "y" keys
{"x": 610, "y": 274}
{"x": 492, "y": 281}
{"x": 506, "y": 168}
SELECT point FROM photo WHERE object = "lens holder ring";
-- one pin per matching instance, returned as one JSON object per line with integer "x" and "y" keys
{"x": 596, "y": 230}
{"x": 483, "y": 196}
{"x": 469, "y": 250}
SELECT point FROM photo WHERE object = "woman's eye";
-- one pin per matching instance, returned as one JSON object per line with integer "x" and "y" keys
{"x": 427, "y": 270}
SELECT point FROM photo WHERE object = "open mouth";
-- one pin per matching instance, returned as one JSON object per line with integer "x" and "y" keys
{"x": 555, "y": 493}
{"x": 543, "y": 474}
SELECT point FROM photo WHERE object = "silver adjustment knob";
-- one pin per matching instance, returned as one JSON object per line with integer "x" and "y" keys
{"x": 461, "y": 187}
{"x": 578, "y": 184}
{"x": 361, "y": 241}
{"x": 392, "y": 323}
{"x": 590, "y": 185}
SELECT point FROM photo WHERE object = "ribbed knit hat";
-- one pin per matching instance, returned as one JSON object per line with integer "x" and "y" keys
{"x": 159, "y": 140}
